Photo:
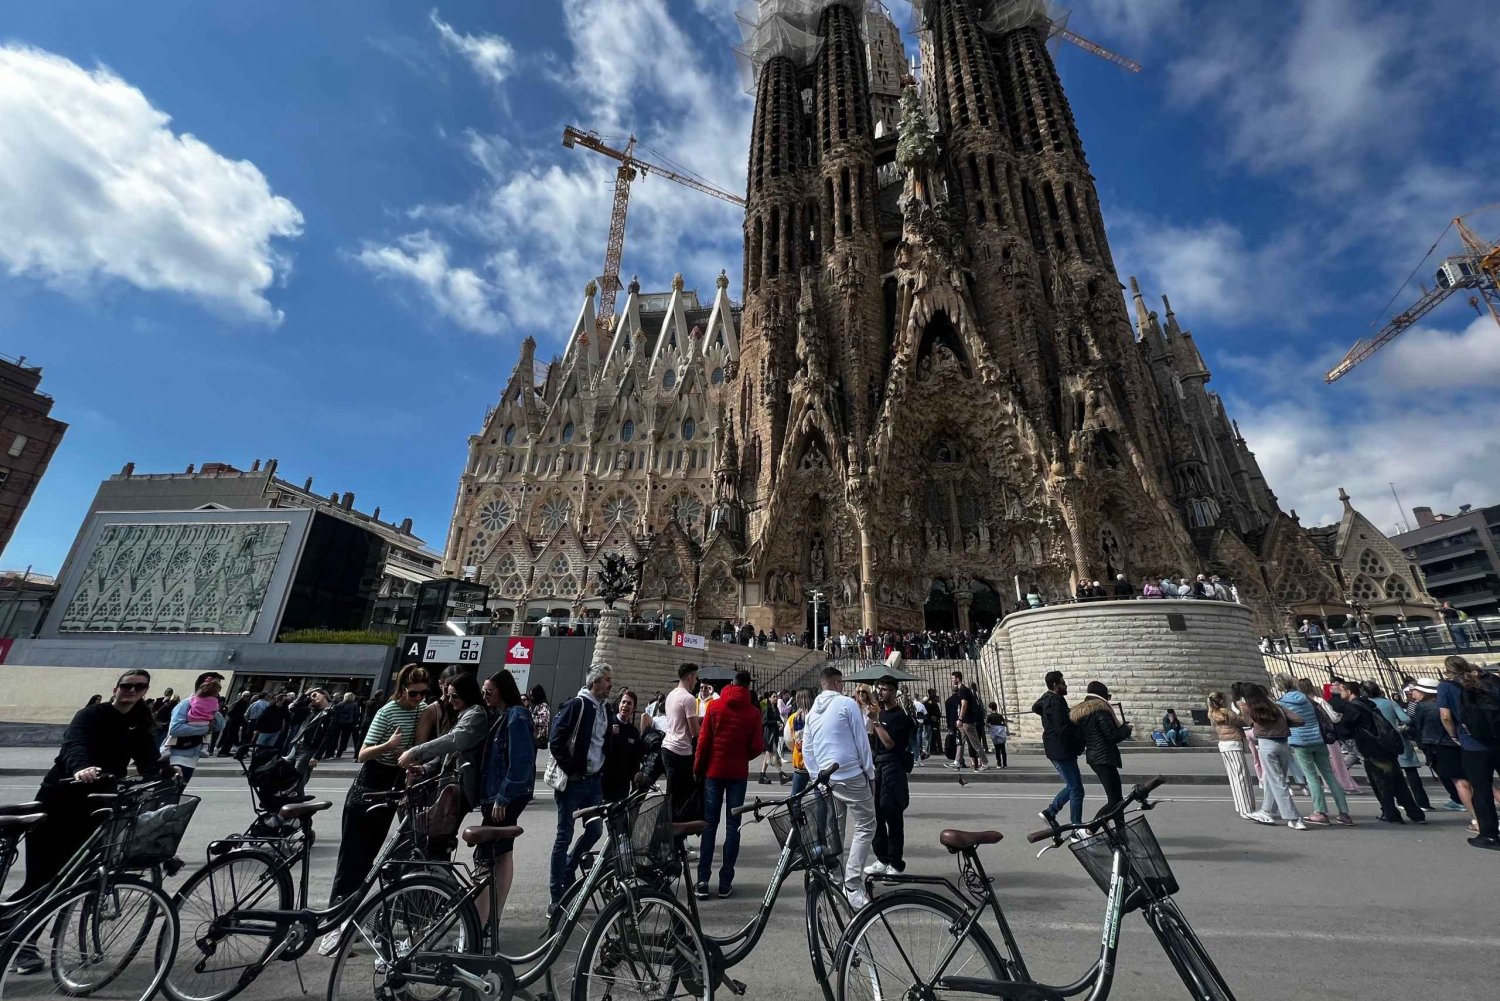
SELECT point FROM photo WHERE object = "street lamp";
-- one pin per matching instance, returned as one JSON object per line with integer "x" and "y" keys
{"x": 817, "y": 594}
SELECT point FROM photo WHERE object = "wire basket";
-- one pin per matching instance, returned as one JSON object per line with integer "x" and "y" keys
{"x": 435, "y": 810}
{"x": 1142, "y": 851}
{"x": 149, "y": 830}
{"x": 653, "y": 848}
{"x": 818, "y": 827}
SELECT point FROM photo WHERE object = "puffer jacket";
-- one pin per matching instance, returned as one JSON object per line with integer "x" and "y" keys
{"x": 1102, "y": 734}
{"x": 731, "y": 736}
{"x": 1058, "y": 735}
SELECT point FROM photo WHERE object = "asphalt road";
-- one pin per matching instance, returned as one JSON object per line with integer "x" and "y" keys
{"x": 1372, "y": 912}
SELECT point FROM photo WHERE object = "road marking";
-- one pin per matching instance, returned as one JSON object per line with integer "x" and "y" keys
{"x": 1044, "y": 797}
{"x": 1275, "y": 934}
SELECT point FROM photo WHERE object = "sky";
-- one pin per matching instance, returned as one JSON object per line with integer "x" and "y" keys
{"x": 319, "y": 232}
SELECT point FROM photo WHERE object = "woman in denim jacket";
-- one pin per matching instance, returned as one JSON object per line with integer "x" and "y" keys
{"x": 507, "y": 782}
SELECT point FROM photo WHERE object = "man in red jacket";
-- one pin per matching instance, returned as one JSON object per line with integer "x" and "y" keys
{"x": 729, "y": 739}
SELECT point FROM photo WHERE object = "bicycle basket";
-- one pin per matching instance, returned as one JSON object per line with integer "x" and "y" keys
{"x": 149, "y": 832}
{"x": 436, "y": 808}
{"x": 652, "y": 846}
{"x": 1144, "y": 854}
{"x": 819, "y": 827}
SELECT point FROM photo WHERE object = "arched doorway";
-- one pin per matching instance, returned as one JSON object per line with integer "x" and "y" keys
{"x": 940, "y": 610}
{"x": 985, "y": 610}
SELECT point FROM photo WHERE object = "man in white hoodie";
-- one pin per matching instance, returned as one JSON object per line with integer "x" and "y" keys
{"x": 838, "y": 733}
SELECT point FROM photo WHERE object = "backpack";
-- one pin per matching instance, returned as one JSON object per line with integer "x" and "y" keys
{"x": 1481, "y": 712}
{"x": 1385, "y": 735}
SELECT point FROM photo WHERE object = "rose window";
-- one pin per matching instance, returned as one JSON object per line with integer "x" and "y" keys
{"x": 513, "y": 587}
{"x": 555, "y": 513}
{"x": 496, "y": 514}
{"x": 560, "y": 565}
{"x": 1365, "y": 590}
{"x": 621, "y": 509}
{"x": 688, "y": 513}
{"x": 506, "y": 566}
{"x": 1370, "y": 563}
{"x": 476, "y": 550}
{"x": 1396, "y": 588}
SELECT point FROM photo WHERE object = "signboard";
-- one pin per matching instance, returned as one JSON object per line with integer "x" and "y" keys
{"x": 453, "y": 650}
{"x": 518, "y": 656}
{"x": 689, "y": 641}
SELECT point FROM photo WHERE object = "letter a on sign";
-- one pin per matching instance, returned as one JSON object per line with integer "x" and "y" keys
{"x": 520, "y": 649}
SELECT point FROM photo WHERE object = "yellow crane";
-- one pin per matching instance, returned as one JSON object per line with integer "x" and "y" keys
{"x": 1475, "y": 270}
{"x": 630, "y": 166}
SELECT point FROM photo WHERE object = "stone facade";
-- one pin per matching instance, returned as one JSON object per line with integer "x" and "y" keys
{"x": 1153, "y": 655}
{"x": 934, "y": 395}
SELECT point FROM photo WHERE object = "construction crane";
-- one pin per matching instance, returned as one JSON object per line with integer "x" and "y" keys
{"x": 630, "y": 166}
{"x": 1058, "y": 31}
{"x": 1477, "y": 270}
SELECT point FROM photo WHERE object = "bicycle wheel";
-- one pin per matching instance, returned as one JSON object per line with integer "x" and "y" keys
{"x": 213, "y": 964}
{"x": 644, "y": 945}
{"x": 828, "y": 914}
{"x": 1189, "y": 958}
{"x": 560, "y": 972}
{"x": 85, "y": 942}
{"x": 894, "y": 949}
{"x": 419, "y": 913}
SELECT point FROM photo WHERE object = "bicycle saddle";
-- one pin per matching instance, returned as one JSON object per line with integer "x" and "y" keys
{"x": 16, "y": 823}
{"x": 484, "y": 835}
{"x": 957, "y": 841}
{"x": 14, "y": 809}
{"x": 293, "y": 811}
{"x": 688, "y": 827}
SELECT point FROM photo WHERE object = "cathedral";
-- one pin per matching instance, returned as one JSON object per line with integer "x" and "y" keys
{"x": 931, "y": 398}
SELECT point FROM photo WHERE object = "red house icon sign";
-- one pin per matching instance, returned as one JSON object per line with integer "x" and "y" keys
{"x": 519, "y": 651}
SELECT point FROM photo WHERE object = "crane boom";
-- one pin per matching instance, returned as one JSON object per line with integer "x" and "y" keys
{"x": 630, "y": 166}
{"x": 1058, "y": 31}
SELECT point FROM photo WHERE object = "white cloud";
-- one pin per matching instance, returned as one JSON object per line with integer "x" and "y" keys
{"x": 459, "y": 293}
{"x": 94, "y": 184}
{"x": 490, "y": 56}
{"x": 1135, "y": 21}
{"x": 1426, "y": 358}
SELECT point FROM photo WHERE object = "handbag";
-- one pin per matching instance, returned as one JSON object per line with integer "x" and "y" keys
{"x": 555, "y": 776}
{"x": 1325, "y": 725}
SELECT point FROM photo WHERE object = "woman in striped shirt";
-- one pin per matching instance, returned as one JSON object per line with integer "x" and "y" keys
{"x": 364, "y": 830}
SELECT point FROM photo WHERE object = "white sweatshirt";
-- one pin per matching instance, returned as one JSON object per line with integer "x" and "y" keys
{"x": 836, "y": 733}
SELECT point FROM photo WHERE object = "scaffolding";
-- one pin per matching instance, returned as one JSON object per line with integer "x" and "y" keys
{"x": 771, "y": 29}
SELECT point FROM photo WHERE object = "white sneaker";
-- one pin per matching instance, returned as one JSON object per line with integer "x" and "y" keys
{"x": 1261, "y": 817}
{"x": 951, "y": 764}
{"x": 857, "y": 899}
{"x": 1296, "y": 825}
{"x": 876, "y": 869}
{"x": 330, "y": 943}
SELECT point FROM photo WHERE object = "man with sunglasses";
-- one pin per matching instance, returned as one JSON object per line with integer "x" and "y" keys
{"x": 101, "y": 742}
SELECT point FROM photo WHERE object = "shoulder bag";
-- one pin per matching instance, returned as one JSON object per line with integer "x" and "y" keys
{"x": 556, "y": 777}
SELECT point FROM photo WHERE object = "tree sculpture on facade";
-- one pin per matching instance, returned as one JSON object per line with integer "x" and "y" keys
{"x": 615, "y": 579}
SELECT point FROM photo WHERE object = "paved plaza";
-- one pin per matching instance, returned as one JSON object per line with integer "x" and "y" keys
{"x": 1372, "y": 912}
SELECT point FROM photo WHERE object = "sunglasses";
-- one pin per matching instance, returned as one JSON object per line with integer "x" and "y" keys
{"x": 416, "y": 691}
{"x": 133, "y": 686}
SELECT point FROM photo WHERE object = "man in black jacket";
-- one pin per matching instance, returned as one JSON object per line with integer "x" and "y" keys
{"x": 1102, "y": 733}
{"x": 1357, "y": 720}
{"x": 577, "y": 745}
{"x": 1060, "y": 741}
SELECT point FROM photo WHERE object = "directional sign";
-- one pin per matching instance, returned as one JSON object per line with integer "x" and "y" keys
{"x": 453, "y": 650}
{"x": 520, "y": 650}
{"x": 689, "y": 641}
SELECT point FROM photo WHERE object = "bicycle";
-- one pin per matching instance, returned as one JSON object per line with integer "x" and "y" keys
{"x": 810, "y": 842}
{"x": 240, "y": 912}
{"x": 79, "y": 935}
{"x": 423, "y": 934}
{"x": 918, "y": 944}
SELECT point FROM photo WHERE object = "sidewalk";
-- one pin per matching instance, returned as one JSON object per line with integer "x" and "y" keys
{"x": 1178, "y": 767}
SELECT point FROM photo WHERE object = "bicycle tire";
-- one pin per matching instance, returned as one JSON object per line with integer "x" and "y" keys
{"x": 54, "y": 917}
{"x": 558, "y": 978}
{"x": 876, "y": 961}
{"x": 1189, "y": 958}
{"x": 600, "y": 954}
{"x": 265, "y": 885}
{"x": 382, "y": 923}
{"x": 828, "y": 916}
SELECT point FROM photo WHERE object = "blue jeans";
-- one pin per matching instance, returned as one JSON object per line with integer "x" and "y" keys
{"x": 728, "y": 793}
{"x": 1072, "y": 793}
{"x": 800, "y": 781}
{"x": 580, "y": 794}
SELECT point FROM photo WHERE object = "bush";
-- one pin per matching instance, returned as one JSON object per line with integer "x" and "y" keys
{"x": 357, "y": 636}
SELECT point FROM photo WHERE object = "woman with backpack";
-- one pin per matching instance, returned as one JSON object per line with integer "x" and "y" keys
{"x": 1380, "y": 745}
{"x": 1469, "y": 706}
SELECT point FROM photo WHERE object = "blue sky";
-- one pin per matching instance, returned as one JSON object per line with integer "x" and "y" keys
{"x": 317, "y": 232}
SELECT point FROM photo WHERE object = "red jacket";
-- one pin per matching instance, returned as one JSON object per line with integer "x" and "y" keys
{"x": 730, "y": 737}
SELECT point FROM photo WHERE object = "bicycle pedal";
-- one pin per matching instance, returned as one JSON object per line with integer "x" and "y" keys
{"x": 734, "y": 985}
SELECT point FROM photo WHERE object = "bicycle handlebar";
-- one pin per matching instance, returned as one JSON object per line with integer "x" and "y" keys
{"x": 822, "y": 780}
{"x": 1137, "y": 795}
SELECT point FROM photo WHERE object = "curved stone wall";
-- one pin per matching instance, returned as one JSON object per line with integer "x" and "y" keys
{"x": 1152, "y": 654}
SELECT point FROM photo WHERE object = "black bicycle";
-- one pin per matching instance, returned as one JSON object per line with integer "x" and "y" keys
{"x": 240, "y": 912}
{"x": 915, "y": 944}
{"x": 807, "y": 829}
{"x": 420, "y": 938}
{"x": 80, "y": 935}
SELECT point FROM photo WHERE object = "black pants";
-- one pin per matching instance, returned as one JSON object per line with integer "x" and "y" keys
{"x": 1390, "y": 788}
{"x": 228, "y": 739}
{"x": 364, "y": 829}
{"x": 53, "y": 841}
{"x": 890, "y": 820}
{"x": 1109, "y": 778}
{"x": 1000, "y": 757}
{"x": 682, "y": 787}
{"x": 346, "y": 734}
{"x": 1479, "y": 768}
{"x": 1418, "y": 793}
{"x": 934, "y": 739}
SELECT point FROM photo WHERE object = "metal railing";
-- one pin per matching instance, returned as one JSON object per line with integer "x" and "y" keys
{"x": 1479, "y": 635}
